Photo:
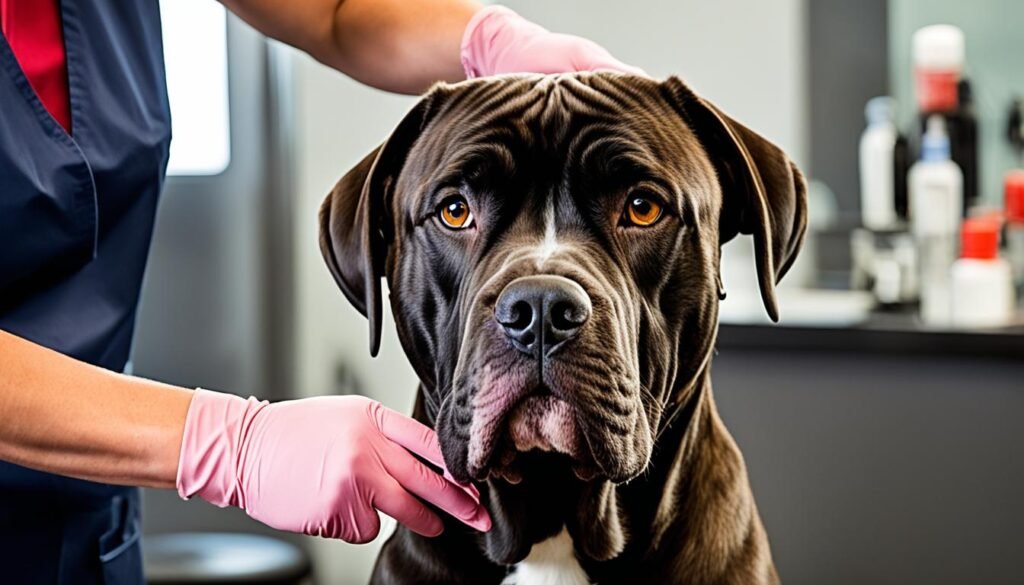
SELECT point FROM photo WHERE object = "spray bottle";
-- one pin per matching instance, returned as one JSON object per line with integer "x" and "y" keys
{"x": 936, "y": 209}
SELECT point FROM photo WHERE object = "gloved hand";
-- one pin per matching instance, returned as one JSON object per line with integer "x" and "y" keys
{"x": 497, "y": 40}
{"x": 320, "y": 466}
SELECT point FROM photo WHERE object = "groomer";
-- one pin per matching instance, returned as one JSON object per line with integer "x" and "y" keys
{"x": 84, "y": 134}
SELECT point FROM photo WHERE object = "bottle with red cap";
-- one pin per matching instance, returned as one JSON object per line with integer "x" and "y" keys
{"x": 938, "y": 53}
{"x": 1013, "y": 190}
{"x": 981, "y": 282}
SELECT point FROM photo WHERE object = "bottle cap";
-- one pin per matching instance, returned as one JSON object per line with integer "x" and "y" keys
{"x": 940, "y": 46}
{"x": 935, "y": 142}
{"x": 880, "y": 110}
{"x": 979, "y": 238}
{"x": 1013, "y": 195}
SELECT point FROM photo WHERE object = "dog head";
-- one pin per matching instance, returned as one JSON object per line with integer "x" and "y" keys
{"x": 552, "y": 245}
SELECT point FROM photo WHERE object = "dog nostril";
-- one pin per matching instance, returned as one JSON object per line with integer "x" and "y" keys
{"x": 540, "y": 312}
{"x": 566, "y": 316}
{"x": 519, "y": 317}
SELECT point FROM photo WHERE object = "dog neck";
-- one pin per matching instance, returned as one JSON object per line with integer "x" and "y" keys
{"x": 693, "y": 515}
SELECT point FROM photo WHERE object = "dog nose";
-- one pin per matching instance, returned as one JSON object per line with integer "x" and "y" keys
{"x": 539, "y": 312}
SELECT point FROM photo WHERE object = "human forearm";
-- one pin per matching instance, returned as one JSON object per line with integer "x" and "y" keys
{"x": 395, "y": 45}
{"x": 67, "y": 417}
{"x": 320, "y": 466}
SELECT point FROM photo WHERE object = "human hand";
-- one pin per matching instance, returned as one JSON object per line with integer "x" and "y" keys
{"x": 320, "y": 466}
{"x": 497, "y": 40}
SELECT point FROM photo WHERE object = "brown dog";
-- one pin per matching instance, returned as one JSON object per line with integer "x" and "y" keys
{"x": 552, "y": 248}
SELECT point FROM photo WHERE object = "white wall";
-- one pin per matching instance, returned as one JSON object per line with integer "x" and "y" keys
{"x": 746, "y": 55}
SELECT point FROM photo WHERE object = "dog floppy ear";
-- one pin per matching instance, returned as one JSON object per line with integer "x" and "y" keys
{"x": 355, "y": 229}
{"x": 764, "y": 193}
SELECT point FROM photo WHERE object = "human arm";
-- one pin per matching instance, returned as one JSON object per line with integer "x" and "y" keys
{"x": 319, "y": 466}
{"x": 406, "y": 46}
{"x": 401, "y": 46}
{"x": 70, "y": 418}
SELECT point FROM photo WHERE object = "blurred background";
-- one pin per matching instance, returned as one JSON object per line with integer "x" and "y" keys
{"x": 883, "y": 446}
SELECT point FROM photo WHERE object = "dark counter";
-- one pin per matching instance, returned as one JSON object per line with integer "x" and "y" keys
{"x": 885, "y": 334}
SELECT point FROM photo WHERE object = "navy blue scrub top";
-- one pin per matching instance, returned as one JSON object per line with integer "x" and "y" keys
{"x": 76, "y": 218}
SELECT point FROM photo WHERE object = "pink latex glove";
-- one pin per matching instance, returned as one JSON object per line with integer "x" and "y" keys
{"x": 320, "y": 466}
{"x": 497, "y": 40}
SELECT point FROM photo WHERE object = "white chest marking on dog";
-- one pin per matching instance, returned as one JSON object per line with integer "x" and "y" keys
{"x": 552, "y": 562}
{"x": 549, "y": 245}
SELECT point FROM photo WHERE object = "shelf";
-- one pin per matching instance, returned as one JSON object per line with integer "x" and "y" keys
{"x": 888, "y": 334}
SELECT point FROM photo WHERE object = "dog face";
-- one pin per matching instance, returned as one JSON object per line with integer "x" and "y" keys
{"x": 552, "y": 246}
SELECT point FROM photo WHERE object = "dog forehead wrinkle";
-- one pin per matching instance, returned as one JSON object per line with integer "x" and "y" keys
{"x": 546, "y": 110}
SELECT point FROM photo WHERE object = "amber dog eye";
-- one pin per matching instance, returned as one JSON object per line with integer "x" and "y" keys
{"x": 642, "y": 211}
{"x": 455, "y": 214}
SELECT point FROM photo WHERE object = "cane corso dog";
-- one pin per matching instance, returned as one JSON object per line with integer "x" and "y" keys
{"x": 551, "y": 245}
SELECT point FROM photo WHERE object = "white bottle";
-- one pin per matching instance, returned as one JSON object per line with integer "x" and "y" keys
{"x": 939, "y": 53}
{"x": 982, "y": 282}
{"x": 936, "y": 193}
{"x": 877, "y": 177}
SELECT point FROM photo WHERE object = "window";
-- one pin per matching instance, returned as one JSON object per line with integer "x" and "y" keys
{"x": 196, "y": 57}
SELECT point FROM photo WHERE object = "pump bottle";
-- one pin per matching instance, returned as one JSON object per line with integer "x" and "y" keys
{"x": 936, "y": 206}
{"x": 877, "y": 175}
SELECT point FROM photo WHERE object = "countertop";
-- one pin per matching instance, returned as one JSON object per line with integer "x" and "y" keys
{"x": 881, "y": 333}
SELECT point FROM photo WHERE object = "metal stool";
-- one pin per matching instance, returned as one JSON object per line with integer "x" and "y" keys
{"x": 191, "y": 558}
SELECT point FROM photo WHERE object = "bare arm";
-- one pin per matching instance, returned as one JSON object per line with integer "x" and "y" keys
{"x": 68, "y": 417}
{"x": 301, "y": 458}
{"x": 395, "y": 45}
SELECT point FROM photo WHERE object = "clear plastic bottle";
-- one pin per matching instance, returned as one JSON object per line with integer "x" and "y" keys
{"x": 877, "y": 177}
{"x": 936, "y": 210}
{"x": 982, "y": 282}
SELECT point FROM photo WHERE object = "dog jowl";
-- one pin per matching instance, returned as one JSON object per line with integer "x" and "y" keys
{"x": 552, "y": 244}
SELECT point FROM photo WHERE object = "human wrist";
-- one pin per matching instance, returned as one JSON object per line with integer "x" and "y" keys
{"x": 482, "y": 36}
{"x": 213, "y": 443}
{"x": 498, "y": 41}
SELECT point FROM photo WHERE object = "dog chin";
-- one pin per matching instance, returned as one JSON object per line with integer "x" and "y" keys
{"x": 540, "y": 426}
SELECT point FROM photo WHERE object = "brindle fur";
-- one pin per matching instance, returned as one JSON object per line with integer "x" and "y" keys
{"x": 672, "y": 502}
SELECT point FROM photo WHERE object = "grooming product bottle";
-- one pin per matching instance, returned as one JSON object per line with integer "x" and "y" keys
{"x": 1013, "y": 192}
{"x": 938, "y": 53}
{"x": 963, "y": 138}
{"x": 981, "y": 281}
{"x": 902, "y": 161}
{"x": 877, "y": 174}
{"x": 936, "y": 209}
